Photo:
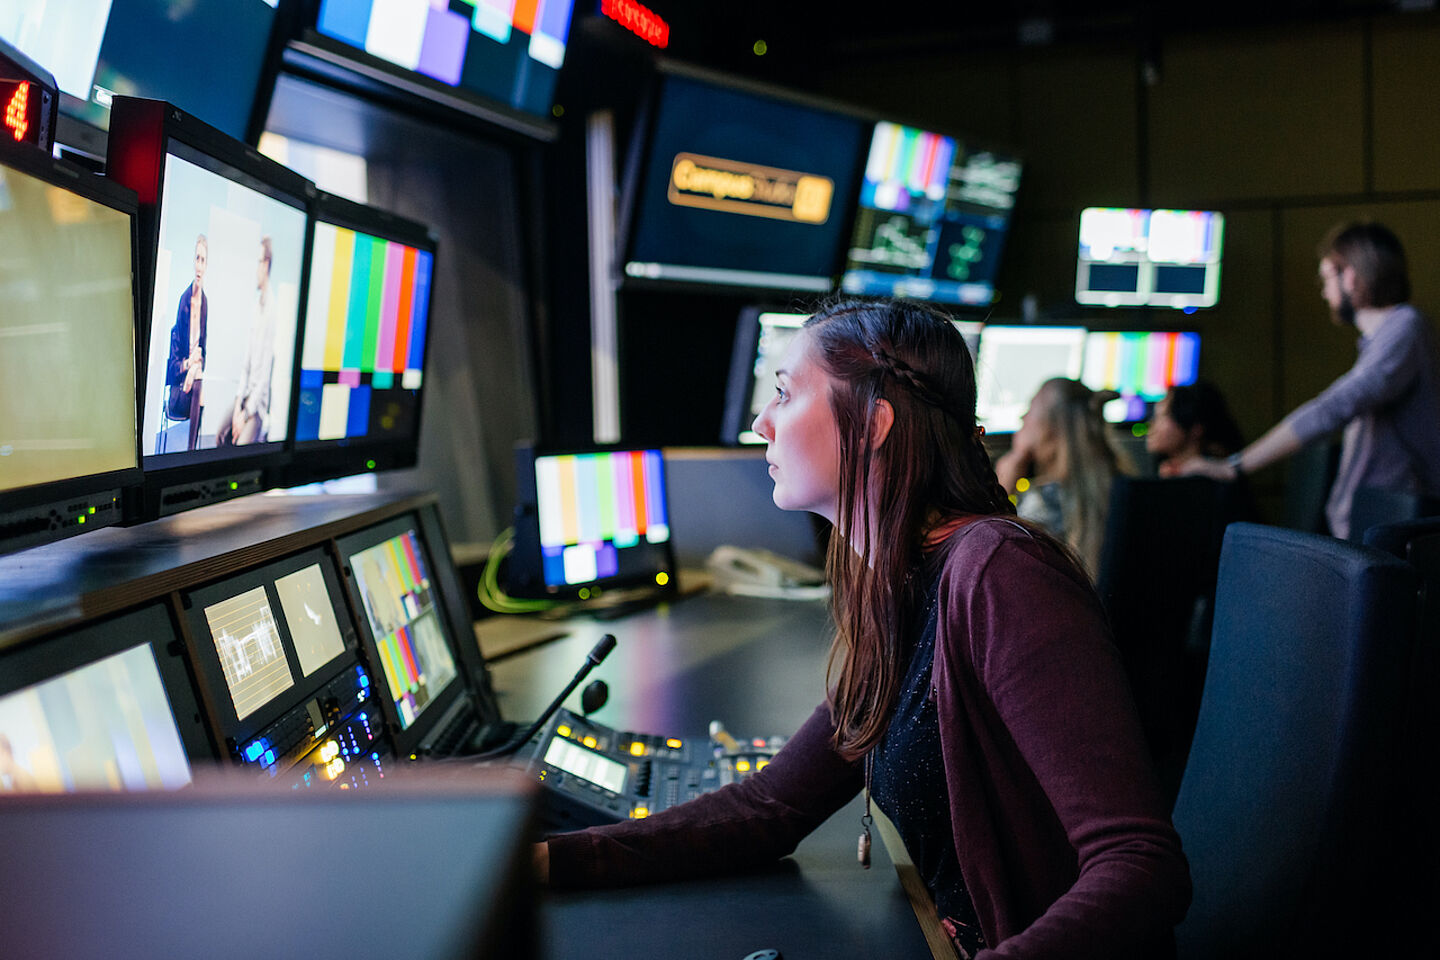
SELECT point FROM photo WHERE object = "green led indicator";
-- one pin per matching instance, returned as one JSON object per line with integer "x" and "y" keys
{"x": 81, "y": 518}
{"x": 369, "y": 464}
{"x": 1140, "y": 429}
{"x": 584, "y": 593}
{"x": 234, "y": 485}
{"x": 92, "y": 511}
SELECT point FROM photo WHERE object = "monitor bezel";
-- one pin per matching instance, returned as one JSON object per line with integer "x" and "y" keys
{"x": 215, "y": 692}
{"x": 74, "y": 178}
{"x": 141, "y": 135}
{"x": 311, "y": 461}
{"x": 407, "y": 740}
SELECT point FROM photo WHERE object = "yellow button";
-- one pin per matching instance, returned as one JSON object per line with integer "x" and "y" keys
{"x": 589, "y": 741}
{"x": 640, "y": 813}
{"x": 762, "y": 765}
{"x": 637, "y": 749}
{"x": 674, "y": 744}
{"x": 742, "y": 765}
{"x": 563, "y": 730}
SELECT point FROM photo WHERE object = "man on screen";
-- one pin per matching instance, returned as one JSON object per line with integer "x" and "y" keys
{"x": 249, "y": 419}
{"x": 186, "y": 366}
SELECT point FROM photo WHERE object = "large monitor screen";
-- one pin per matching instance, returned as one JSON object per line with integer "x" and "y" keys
{"x": 506, "y": 52}
{"x": 743, "y": 189}
{"x": 1140, "y": 366}
{"x": 104, "y": 726}
{"x": 1014, "y": 361}
{"x": 932, "y": 218}
{"x": 363, "y": 356}
{"x": 67, "y": 334}
{"x": 405, "y": 622}
{"x": 225, "y": 312}
{"x": 1158, "y": 258}
{"x": 205, "y": 56}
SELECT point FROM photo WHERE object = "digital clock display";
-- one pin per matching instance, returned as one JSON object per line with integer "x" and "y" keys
{"x": 22, "y": 101}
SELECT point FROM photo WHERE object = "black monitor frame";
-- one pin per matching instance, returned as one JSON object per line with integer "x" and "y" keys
{"x": 219, "y": 704}
{"x": 105, "y": 491}
{"x": 142, "y": 132}
{"x": 148, "y": 625}
{"x": 315, "y": 460}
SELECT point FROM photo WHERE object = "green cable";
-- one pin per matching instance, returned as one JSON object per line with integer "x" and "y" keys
{"x": 488, "y": 589}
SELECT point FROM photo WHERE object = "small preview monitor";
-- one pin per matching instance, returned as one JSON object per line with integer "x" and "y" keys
{"x": 1014, "y": 361}
{"x": 1140, "y": 366}
{"x": 741, "y": 188}
{"x": 223, "y": 234}
{"x": 68, "y": 441}
{"x": 362, "y": 360}
{"x": 932, "y": 218}
{"x": 404, "y": 626}
{"x": 105, "y": 707}
{"x": 1157, "y": 258}
{"x": 592, "y": 520}
{"x": 506, "y": 53}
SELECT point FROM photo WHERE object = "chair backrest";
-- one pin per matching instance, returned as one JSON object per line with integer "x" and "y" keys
{"x": 1284, "y": 799}
{"x": 1373, "y": 506}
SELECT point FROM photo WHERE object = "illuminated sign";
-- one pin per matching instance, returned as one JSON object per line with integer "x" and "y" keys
{"x": 733, "y": 186}
{"x": 639, "y": 20}
{"x": 17, "y": 110}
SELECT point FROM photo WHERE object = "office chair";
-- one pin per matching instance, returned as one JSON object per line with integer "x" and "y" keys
{"x": 1418, "y": 542}
{"x": 1373, "y": 506}
{"x": 1156, "y": 578}
{"x": 1285, "y": 799}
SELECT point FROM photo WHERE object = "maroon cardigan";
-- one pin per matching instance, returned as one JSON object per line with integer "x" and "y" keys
{"x": 1060, "y": 829}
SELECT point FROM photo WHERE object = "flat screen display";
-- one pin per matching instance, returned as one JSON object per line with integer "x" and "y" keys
{"x": 67, "y": 335}
{"x": 1140, "y": 366}
{"x": 362, "y": 361}
{"x": 602, "y": 516}
{"x": 393, "y": 581}
{"x": 310, "y": 614}
{"x": 1014, "y": 361}
{"x": 1158, "y": 258}
{"x": 743, "y": 189}
{"x": 226, "y": 307}
{"x": 247, "y": 642}
{"x": 204, "y": 56}
{"x": 107, "y": 725}
{"x": 588, "y": 765}
{"x": 509, "y": 52}
{"x": 932, "y": 218}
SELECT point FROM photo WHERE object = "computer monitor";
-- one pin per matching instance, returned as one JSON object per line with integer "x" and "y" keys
{"x": 1157, "y": 258}
{"x": 108, "y": 706}
{"x": 932, "y": 218}
{"x": 208, "y": 57}
{"x": 223, "y": 234}
{"x": 761, "y": 338}
{"x": 406, "y": 631}
{"x": 362, "y": 359}
{"x": 1014, "y": 361}
{"x": 507, "y": 55}
{"x": 1140, "y": 366}
{"x": 590, "y": 520}
{"x": 740, "y": 186}
{"x": 69, "y": 446}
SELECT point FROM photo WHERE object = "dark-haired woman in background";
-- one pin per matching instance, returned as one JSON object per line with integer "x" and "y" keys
{"x": 1191, "y": 421}
{"x": 974, "y": 692}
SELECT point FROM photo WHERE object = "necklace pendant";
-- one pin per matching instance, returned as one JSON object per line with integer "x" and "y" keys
{"x": 863, "y": 853}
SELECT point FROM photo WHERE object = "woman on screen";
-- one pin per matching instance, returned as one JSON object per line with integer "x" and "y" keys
{"x": 974, "y": 693}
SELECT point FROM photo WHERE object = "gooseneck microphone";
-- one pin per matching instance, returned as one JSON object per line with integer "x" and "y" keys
{"x": 592, "y": 660}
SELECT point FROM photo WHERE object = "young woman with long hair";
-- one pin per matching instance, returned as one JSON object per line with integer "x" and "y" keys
{"x": 974, "y": 693}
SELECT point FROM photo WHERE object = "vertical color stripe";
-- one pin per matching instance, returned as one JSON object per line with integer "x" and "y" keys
{"x": 654, "y": 488}
{"x": 624, "y": 498}
{"x": 637, "y": 484}
{"x": 359, "y": 302}
{"x": 547, "y": 502}
{"x": 387, "y": 662}
{"x": 389, "y": 306}
{"x": 605, "y": 493}
{"x": 524, "y": 17}
{"x": 569, "y": 522}
{"x": 317, "y": 309}
{"x": 419, "y": 317}
{"x": 339, "y": 299}
{"x": 374, "y": 290}
{"x": 403, "y": 311}
{"x": 587, "y": 503}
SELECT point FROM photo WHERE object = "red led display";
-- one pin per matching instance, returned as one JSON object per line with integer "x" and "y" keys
{"x": 639, "y": 20}
{"x": 19, "y": 118}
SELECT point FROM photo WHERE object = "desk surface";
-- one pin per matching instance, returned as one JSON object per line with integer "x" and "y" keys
{"x": 758, "y": 666}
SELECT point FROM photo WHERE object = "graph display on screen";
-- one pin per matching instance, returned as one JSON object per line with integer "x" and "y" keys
{"x": 1160, "y": 258}
{"x": 105, "y": 726}
{"x": 310, "y": 616}
{"x": 1014, "y": 361}
{"x": 510, "y": 52}
{"x": 248, "y": 645}
{"x": 67, "y": 335}
{"x": 599, "y": 513}
{"x": 362, "y": 358}
{"x": 932, "y": 218}
{"x": 399, "y": 601}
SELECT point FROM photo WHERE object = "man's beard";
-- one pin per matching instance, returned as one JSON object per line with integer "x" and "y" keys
{"x": 1344, "y": 312}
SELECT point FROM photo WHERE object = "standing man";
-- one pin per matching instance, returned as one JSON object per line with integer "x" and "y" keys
{"x": 249, "y": 419}
{"x": 186, "y": 365}
{"x": 1388, "y": 402}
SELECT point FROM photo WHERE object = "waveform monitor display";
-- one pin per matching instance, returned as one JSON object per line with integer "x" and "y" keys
{"x": 363, "y": 353}
{"x": 932, "y": 218}
{"x": 248, "y": 645}
{"x": 67, "y": 335}
{"x": 310, "y": 614}
{"x": 601, "y": 514}
{"x": 1160, "y": 258}
{"x": 104, "y": 726}
{"x": 510, "y": 52}
{"x": 1014, "y": 361}
{"x": 400, "y": 606}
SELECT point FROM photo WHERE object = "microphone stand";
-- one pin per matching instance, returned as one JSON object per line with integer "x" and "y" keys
{"x": 592, "y": 660}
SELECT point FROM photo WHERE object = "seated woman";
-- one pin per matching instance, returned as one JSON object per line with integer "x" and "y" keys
{"x": 1191, "y": 421}
{"x": 975, "y": 695}
{"x": 1060, "y": 465}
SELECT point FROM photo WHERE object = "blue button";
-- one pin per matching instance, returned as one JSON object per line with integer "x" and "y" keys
{"x": 269, "y": 757}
